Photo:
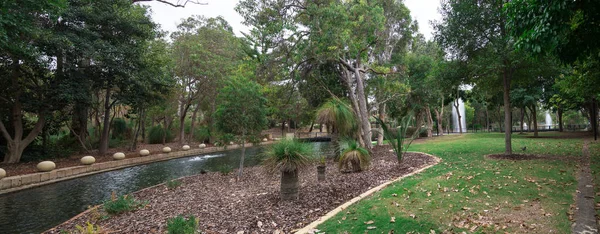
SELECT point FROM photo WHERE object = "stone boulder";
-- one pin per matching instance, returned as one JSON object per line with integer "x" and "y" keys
{"x": 144, "y": 152}
{"x": 88, "y": 160}
{"x": 166, "y": 149}
{"x": 185, "y": 147}
{"x": 202, "y": 146}
{"x": 46, "y": 166}
{"x": 118, "y": 156}
{"x": 265, "y": 139}
{"x": 2, "y": 173}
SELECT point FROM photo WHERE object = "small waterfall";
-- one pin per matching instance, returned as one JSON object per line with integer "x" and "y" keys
{"x": 548, "y": 120}
{"x": 461, "y": 108}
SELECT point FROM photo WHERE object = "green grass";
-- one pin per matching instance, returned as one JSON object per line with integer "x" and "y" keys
{"x": 595, "y": 167}
{"x": 468, "y": 192}
{"x": 181, "y": 225}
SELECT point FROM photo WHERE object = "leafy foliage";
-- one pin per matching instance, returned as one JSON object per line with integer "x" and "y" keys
{"x": 89, "y": 229}
{"x": 122, "y": 204}
{"x": 397, "y": 137}
{"x": 354, "y": 158}
{"x": 339, "y": 115}
{"x": 288, "y": 156}
{"x": 171, "y": 184}
{"x": 182, "y": 225}
{"x": 158, "y": 133}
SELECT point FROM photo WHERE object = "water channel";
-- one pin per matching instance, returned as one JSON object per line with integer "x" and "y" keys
{"x": 38, "y": 209}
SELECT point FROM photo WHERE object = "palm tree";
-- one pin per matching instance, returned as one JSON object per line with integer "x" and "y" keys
{"x": 340, "y": 120}
{"x": 354, "y": 158}
{"x": 289, "y": 157}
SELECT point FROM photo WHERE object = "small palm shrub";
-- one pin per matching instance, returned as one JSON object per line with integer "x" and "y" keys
{"x": 288, "y": 157}
{"x": 122, "y": 204}
{"x": 171, "y": 184}
{"x": 202, "y": 134}
{"x": 119, "y": 128}
{"x": 181, "y": 225}
{"x": 156, "y": 134}
{"x": 225, "y": 169}
{"x": 354, "y": 158}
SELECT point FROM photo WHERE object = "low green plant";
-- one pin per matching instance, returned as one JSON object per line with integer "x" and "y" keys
{"x": 171, "y": 184}
{"x": 398, "y": 137}
{"x": 182, "y": 225}
{"x": 156, "y": 134}
{"x": 119, "y": 128}
{"x": 225, "y": 169}
{"x": 122, "y": 204}
{"x": 202, "y": 134}
{"x": 354, "y": 158}
{"x": 89, "y": 229}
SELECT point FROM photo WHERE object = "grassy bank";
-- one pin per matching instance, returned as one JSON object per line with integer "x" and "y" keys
{"x": 468, "y": 192}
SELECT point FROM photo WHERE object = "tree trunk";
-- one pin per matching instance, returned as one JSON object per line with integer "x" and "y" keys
{"x": 106, "y": 126}
{"x": 79, "y": 121}
{"x": 289, "y": 185}
{"x": 137, "y": 130}
{"x": 560, "y": 120}
{"x": 15, "y": 145}
{"x": 533, "y": 110}
{"x": 382, "y": 117}
{"x": 458, "y": 117}
{"x": 522, "y": 119}
{"x": 487, "y": 119}
{"x": 193, "y": 123}
{"x": 507, "y": 114}
{"x": 364, "y": 115}
{"x": 438, "y": 116}
{"x": 243, "y": 155}
{"x": 182, "y": 114}
{"x": 429, "y": 122}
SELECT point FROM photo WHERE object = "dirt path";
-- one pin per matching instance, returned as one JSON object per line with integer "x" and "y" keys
{"x": 585, "y": 214}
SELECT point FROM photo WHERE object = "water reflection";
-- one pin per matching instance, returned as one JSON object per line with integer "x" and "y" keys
{"x": 38, "y": 209}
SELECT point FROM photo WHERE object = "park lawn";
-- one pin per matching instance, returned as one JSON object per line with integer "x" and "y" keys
{"x": 468, "y": 192}
{"x": 595, "y": 167}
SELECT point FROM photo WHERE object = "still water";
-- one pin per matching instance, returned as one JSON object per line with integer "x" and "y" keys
{"x": 38, "y": 209}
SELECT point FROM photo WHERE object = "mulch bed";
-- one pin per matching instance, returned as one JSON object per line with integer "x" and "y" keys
{"x": 72, "y": 161}
{"x": 252, "y": 205}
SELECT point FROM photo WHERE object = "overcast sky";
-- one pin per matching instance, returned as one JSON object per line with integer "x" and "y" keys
{"x": 168, "y": 17}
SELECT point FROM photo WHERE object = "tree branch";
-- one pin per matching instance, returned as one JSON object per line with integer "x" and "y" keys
{"x": 177, "y": 4}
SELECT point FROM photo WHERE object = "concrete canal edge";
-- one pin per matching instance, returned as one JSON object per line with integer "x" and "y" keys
{"x": 311, "y": 228}
{"x": 21, "y": 182}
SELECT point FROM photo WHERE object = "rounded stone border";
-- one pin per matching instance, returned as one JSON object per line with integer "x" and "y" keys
{"x": 312, "y": 226}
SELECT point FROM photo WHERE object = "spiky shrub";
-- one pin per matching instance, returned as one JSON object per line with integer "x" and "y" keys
{"x": 157, "y": 133}
{"x": 339, "y": 118}
{"x": 171, "y": 184}
{"x": 399, "y": 138}
{"x": 354, "y": 158}
{"x": 122, "y": 204}
{"x": 181, "y": 225}
{"x": 288, "y": 157}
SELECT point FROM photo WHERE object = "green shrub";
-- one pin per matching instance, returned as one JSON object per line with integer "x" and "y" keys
{"x": 202, "y": 134}
{"x": 354, "y": 158}
{"x": 171, "y": 184}
{"x": 122, "y": 204}
{"x": 224, "y": 139}
{"x": 119, "y": 128}
{"x": 181, "y": 225}
{"x": 225, "y": 169}
{"x": 89, "y": 229}
{"x": 156, "y": 134}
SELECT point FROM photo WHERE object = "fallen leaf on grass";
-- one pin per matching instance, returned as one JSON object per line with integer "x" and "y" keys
{"x": 371, "y": 227}
{"x": 369, "y": 222}
{"x": 393, "y": 220}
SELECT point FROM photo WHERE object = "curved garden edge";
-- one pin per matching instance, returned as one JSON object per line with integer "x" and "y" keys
{"x": 312, "y": 226}
{"x": 272, "y": 201}
{"x": 27, "y": 181}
